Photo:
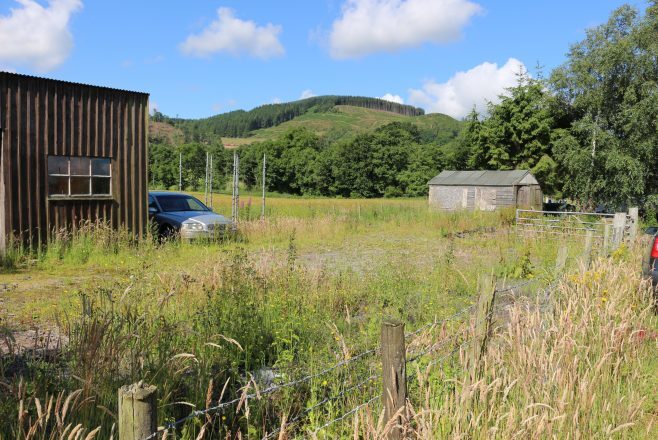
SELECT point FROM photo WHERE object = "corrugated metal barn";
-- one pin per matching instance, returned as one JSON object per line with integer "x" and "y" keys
{"x": 484, "y": 190}
{"x": 70, "y": 153}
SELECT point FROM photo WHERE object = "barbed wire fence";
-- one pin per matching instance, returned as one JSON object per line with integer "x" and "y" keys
{"x": 458, "y": 340}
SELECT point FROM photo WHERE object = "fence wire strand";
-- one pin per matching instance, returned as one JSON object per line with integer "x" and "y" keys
{"x": 323, "y": 402}
{"x": 516, "y": 286}
{"x": 258, "y": 394}
{"x": 347, "y": 414}
{"x": 435, "y": 322}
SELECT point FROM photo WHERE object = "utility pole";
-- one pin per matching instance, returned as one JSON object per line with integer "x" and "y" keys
{"x": 236, "y": 188}
{"x": 180, "y": 171}
{"x": 205, "y": 188}
{"x": 211, "y": 202}
{"x": 262, "y": 208}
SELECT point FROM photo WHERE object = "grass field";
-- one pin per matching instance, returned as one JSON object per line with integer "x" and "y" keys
{"x": 342, "y": 233}
{"x": 304, "y": 289}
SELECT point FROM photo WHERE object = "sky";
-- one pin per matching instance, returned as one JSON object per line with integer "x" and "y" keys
{"x": 198, "y": 58}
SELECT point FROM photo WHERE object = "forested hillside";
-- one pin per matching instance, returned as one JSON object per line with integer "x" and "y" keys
{"x": 241, "y": 123}
{"x": 343, "y": 122}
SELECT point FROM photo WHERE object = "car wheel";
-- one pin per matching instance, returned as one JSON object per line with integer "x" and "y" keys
{"x": 167, "y": 233}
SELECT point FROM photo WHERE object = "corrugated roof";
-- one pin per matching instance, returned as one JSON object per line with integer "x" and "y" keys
{"x": 2, "y": 72}
{"x": 479, "y": 178}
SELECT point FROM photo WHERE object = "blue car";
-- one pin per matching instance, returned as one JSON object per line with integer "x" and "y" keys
{"x": 181, "y": 214}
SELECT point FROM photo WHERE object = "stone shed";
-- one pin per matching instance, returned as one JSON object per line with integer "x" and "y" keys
{"x": 484, "y": 190}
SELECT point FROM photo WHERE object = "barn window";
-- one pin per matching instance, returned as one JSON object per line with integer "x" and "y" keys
{"x": 77, "y": 176}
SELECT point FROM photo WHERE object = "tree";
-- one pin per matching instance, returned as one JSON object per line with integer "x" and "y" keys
{"x": 517, "y": 133}
{"x": 608, "y": 90}
{"x": 163, "y": 166}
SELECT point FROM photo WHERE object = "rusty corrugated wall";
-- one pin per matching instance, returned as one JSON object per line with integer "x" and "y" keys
{"x": 41, "y": 117}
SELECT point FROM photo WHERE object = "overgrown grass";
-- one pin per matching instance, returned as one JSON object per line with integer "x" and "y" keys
{"x": 200, "y": 321}
{"x": 586, "y": 368}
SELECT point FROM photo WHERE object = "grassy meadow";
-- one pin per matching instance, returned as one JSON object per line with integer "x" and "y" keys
{"x": 304, "y": 289}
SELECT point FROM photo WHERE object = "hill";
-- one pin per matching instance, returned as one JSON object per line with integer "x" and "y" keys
{"x": 333, "y": 117}
{"x": 241, "y": 123}
{"x": 344, "y": 121}
{"x": 165, "y": 133}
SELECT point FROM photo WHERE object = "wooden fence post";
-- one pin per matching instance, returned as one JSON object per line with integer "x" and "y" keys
{"x": 483, "y": 318}
{"x": 561, "y": 260}
{"x": 618, "y": 226}
{"x": 138, "y": 411}
{"x": 587, "y": 253}
{"x": 634, "y": 214}
{"x": 606, "y": 236}
{"x": 394, "y": 375}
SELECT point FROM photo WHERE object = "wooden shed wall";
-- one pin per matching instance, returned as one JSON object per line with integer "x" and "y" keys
{"x": 452, "y": 197}
{"x": 484, "y": 198}
{"x": 41, "y": 117}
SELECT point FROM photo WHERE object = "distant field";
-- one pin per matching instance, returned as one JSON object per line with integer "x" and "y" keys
{"x": 345, "y": 122}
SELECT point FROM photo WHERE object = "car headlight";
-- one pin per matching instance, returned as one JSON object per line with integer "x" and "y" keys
{"x": 193, "y": 226}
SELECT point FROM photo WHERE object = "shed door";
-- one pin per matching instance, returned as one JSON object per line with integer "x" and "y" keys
{"x": 538, "y": 198}
{"x": 523, "y": 197}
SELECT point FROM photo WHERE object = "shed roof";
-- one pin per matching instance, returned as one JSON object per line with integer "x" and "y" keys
{"x": 70, "y": 83}
{"x": 483, "y": 178}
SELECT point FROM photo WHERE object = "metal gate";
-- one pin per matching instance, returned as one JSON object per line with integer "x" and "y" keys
{"x": 564, "y": 223}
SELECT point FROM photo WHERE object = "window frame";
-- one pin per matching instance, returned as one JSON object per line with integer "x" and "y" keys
{"x": 69, "y": 175}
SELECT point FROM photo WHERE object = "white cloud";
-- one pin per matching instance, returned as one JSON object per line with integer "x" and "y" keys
{"x": 36, "y": 36}
{"x": 368, "y": 26}
{"x": 457, "y": 96}
{"x": 276, "y": 100}
{"x": 392, "y": 98}
{"x": 231, "y": 35}
{"x": 308, "y": 93}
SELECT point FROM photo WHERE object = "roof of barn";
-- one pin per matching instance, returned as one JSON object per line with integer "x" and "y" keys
{"x": 484, "y": 178}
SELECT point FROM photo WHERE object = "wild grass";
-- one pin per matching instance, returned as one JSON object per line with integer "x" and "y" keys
{"x": 204, "y": 321}
{"x": 584, "y": 369}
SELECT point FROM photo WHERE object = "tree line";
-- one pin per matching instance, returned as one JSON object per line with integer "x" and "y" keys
{"x": 390, "y": 161}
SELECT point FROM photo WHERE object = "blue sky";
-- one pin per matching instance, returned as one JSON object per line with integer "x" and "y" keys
{"x": 198, "y": 58}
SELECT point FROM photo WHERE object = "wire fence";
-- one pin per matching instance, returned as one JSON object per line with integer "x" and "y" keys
{"x": 260, "y": 394}
{"x": 458, "y": 340}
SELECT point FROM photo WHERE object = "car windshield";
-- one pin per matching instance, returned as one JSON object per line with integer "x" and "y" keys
{"x": 176, "y": 202}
